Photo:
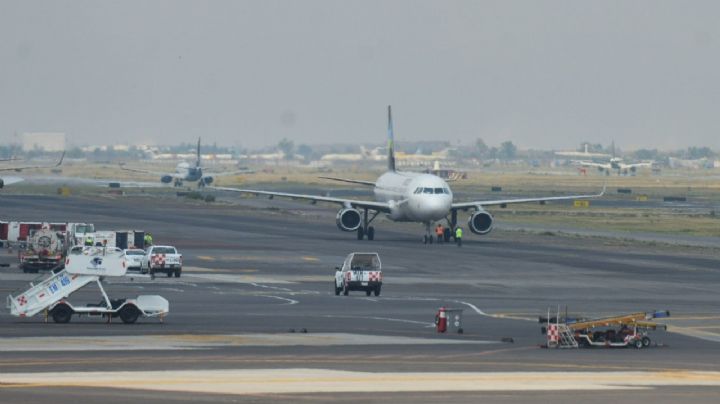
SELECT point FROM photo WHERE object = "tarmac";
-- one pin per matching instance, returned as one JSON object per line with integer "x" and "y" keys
{"x": 254, "y": 317}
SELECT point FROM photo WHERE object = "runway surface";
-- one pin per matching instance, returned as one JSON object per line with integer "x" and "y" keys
{"x": 254, "y": 317}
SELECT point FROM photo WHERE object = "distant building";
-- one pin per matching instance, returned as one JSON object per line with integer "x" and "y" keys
{"x": 47, "y": 141}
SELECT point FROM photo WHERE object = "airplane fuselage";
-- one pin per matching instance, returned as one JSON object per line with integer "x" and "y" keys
{"x": 186, "y": 172}
{"x": 414, "y": 197}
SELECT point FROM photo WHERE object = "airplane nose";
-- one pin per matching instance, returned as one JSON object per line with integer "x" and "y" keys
{"x": 438, "y": 208}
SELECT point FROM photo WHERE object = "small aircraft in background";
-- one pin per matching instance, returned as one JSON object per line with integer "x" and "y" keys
{"x": 185, "y": 171}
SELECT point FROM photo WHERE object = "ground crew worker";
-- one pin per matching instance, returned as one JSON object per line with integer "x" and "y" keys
{"x": 458, "y": 236}
{"x": 88, "y": 241}
{"x": 148, "y": 239}
{"x": 439, "y": 231}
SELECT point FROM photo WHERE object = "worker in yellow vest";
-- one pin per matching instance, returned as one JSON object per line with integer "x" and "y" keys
{"x": 458, "y": 236}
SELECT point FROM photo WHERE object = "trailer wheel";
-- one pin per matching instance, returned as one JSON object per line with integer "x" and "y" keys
{"x": 646, "y": 341}
{"x": 61, "y": 314}
{"x": 129, "y": 314}
{"x": 638, "y": 343}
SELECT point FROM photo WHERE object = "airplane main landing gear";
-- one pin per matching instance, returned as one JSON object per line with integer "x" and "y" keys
{"x": 365, "y": 230}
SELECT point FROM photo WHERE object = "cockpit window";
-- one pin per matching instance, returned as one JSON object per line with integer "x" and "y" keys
{"x": 438, "y": 190}
{"x": 447, "y": 191}
{"x": 418, "y": 191}
{"x": 427, "y": 190}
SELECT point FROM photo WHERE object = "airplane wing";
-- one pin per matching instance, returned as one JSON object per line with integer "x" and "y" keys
{"x": 137, "y": 170}
{"x": 361, "y": 182}
{"x": 636, "y": 165}
{"x": 20, "y": 168}
{"x": 591, "y": 164}
{"x": 468, "y": 205}
{"x": 378, "y": 206}
{"x": 225, "y": 173}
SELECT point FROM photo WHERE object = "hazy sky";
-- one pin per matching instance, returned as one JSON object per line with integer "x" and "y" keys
{"x": 544, "y": 74}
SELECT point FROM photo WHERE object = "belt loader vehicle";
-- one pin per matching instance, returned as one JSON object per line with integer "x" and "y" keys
{"x": 84, "y": 266}
{"x": 627, "y": 330}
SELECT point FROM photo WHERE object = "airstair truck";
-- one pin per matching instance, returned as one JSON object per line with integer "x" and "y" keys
{"x": 84, "y": 266}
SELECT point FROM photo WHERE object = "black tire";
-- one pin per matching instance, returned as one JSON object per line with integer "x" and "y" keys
{"x": 638, "y": 343}
{"x": 61, "y": 314}
{"x": 377, "y": 291}
{"x": 129, "y": 314}
{"x": 178, "y": 272}
{"x": 368, "y": 292}
{"x": 371, "y": 233}
{"x": 646, "y": 342}
{"x": 360, "y": 233}
{"x": 169, "y": 273}
{"x": 346, "y": 290}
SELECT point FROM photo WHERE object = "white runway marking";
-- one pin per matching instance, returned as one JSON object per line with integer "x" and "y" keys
{"x": 284, "y": 381}
{"x": 204, "y": 341}
{"x": 289, "y": 301}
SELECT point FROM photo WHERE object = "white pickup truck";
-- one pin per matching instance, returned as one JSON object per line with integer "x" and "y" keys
{"x": 360, "y": 271}
{"x": 162, "y": 258}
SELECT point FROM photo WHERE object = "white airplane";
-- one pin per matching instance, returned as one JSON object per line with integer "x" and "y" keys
{"x": 615, "y": 164}
{"x": 408, "y": 197}
{"x": 185, "y": 171}
{"x": 13, "y": 180}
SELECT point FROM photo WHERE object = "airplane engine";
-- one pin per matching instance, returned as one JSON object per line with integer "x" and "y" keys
{"x": 348, "y": 219}
{"x": 166, "y": 179}
{"x": 207, "y": 180}
{"x": 2, "y": 183}
{"x": 480, "y": 222}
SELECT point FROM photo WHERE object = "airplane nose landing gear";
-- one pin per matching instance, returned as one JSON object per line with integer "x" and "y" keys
{"x": 428, "y": 238}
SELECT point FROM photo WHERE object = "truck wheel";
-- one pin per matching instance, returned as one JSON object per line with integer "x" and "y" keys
{"x": 178, "y": 272}
{"x": 169, "y": 273}
{"x": 367, "y": 292}
{"x": 638, "y": 343}
{"x": 646, "y": 341}
{"x": 129, "y": 314}
{"x": 377, "y": 291}
{"x": 62, "y": 314}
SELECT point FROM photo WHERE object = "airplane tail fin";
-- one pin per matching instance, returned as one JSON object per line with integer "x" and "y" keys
{"x": 391, "y": 142}
{"x": 198, "y": 163}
